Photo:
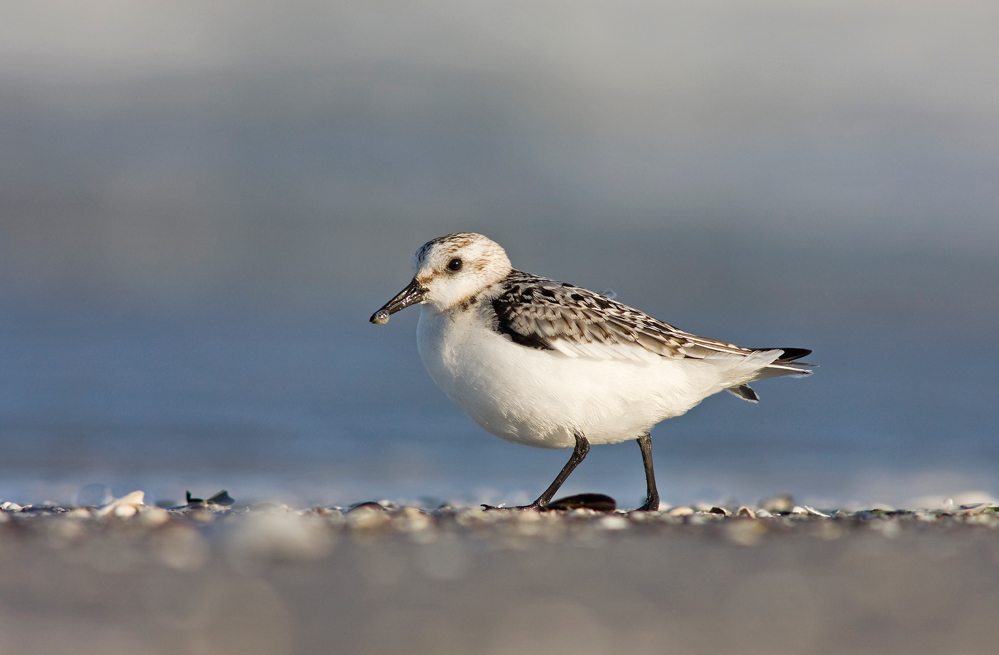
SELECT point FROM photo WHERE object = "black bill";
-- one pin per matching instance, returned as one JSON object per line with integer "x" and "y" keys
{"x": 411, "y": 295}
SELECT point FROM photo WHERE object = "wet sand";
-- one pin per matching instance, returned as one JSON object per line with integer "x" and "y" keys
{"x": 273, "y": 580}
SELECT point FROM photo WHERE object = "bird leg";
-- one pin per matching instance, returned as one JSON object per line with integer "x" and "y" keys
{"x": 578, "y": 453}
{"x": 652, "y": 494}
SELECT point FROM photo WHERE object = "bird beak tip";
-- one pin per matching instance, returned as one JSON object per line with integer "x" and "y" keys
{"x": 413, "y": 294}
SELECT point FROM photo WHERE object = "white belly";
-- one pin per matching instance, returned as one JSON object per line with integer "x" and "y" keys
{"x": 541, "y": 397}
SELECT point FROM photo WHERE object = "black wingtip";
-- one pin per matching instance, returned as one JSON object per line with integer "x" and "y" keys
{"x": 791, "y": 354}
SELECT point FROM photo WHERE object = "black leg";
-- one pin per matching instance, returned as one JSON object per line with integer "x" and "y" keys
{"x": 578, "y": 453}
{"x": 652, "y": 494}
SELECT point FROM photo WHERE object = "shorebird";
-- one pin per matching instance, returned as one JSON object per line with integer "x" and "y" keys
{"x": 552, "y": 365}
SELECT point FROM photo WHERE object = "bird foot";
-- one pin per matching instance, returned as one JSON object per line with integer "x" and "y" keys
{"x": 651, "y": 505}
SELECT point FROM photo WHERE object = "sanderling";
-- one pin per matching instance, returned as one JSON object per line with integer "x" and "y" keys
{"x": 552, "y": 365}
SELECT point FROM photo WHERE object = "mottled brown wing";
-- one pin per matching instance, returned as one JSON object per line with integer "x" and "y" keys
{"x": 542, "y": 313}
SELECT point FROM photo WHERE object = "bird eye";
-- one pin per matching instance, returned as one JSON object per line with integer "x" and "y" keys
{"x": 454, "y": 265}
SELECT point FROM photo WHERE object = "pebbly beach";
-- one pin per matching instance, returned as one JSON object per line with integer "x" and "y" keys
{"x": 271, "y": 579}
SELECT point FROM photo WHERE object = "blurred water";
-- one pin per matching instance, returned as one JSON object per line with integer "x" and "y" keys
{"x": 328, "y": 408}
{"x": 183, "y": 151}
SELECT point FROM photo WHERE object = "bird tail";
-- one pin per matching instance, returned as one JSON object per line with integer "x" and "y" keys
{"x": 779, "y": 367}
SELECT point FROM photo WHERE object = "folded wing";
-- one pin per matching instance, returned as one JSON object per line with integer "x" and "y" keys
{"x": 541, "y": 313}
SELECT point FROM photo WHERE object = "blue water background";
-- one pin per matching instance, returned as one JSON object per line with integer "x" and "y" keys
{"x": 330, "y": 409}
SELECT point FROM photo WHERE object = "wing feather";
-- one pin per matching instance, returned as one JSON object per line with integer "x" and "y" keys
{"x": 541, "y": 313}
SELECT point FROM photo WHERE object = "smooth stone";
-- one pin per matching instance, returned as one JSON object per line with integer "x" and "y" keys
{"x": 221, "y": 498}
{"x": 614, "y": 523}
{"x": 128, "y": 500}
{"x": 372, "y": 505}
{"x": 596, "y": 502}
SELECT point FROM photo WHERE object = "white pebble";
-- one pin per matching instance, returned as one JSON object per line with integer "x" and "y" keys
{"x": 280, "y": 536}
{"x": 128, "y": 500}
{"x": 152, "y": 516}
{"x": 125, "y": 511}
{"x": 614, "y": 523}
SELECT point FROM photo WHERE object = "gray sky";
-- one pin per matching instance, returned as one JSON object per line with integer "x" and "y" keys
{"x": 299, "y": 152}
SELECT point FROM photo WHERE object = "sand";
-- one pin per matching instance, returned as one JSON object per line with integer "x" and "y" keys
{"x": 273, "y": 580}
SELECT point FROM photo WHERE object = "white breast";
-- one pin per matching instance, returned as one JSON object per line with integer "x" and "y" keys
{"x": 540, "y": 397}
